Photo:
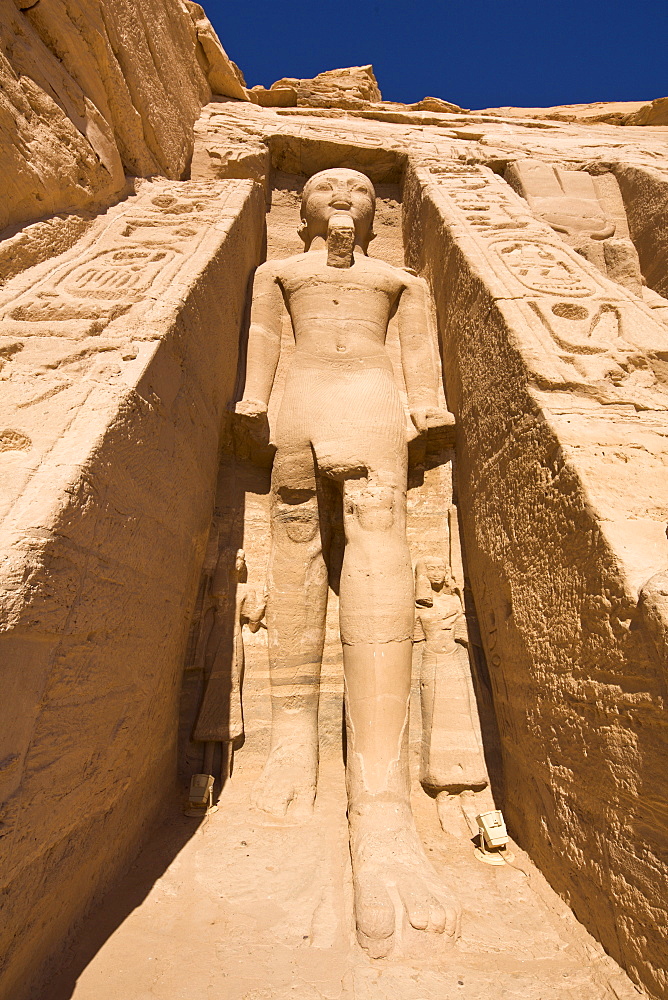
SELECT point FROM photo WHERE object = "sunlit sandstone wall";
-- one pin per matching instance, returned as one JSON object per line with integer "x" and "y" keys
{"x": 561, "y": 401}
{"x": 119, "y": 359}
{"x": 92, "y": 90}
{"x": 557, "y": 378}
{"x": 645, "y": 194}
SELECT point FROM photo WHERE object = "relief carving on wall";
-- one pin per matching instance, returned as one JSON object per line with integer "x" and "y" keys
{"x": 135, "y": 254}
{"x": 582, "y": 313}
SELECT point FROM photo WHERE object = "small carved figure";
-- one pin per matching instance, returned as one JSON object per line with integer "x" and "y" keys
{"x": 220, "y": 718}
{"x": 580, "y": 208}
{"x": 341, "y": 433}
{"x": 452, "y": 763}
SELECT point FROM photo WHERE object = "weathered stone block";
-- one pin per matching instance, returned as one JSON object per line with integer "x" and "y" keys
{"x": 123, "y": 359}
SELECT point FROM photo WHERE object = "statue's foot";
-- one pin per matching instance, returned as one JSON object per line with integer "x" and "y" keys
{"x": 289, "y": 779}
{"x": 394, "y": 882}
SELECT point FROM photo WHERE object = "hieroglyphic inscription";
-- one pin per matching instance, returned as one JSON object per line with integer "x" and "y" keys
{"x": 77, "y": 330}
{"x": 543, "y": 268}
{"x": 116, "y": 273}
{"x": 472, "y": 194}
{"x": 136, "y": 249}
{"x": 585, "y": 328}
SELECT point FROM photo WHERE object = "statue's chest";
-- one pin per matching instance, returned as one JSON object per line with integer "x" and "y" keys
{"x": 342, "y": 286}
{"x": 440, "y": 617}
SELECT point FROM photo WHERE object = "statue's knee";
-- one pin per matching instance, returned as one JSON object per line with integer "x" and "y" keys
{"x": 296, "y": 516}
{"x": 371, "y": 506}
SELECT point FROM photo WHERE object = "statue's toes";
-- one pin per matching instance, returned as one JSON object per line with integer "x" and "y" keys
{"x": 438, "y": 918}
{"x": 426, "y": 912}
{"x": 301, "y": 802}
{"x": 269, "y": 799}
{"x": 453, "y": 920}
{"x": 374, "y": 916}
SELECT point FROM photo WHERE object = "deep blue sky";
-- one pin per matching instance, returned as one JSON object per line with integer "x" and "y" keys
{"x": 484, "y": 53}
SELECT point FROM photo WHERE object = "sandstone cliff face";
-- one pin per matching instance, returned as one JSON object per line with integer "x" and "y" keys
{"x": 355, "y": 88}
{"x": 561, "y": 474}
{"x": 611, "y": 112}
{"x": 94, "y": 90}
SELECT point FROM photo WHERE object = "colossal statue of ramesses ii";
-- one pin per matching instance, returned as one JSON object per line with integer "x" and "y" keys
{"x": 341, "y": 437}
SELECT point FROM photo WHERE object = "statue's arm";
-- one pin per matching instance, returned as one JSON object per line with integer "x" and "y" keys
{"x": 420, "y": 367}
{"x": 461, "y": 632}
{"x": 264, "y": 340}
{"x": 418, "y": 630}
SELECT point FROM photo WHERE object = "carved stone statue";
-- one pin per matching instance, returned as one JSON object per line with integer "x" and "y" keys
{"x": 341, "y": 430}
{"x": 220, "y": 718}
{"x": 452, "y": 763}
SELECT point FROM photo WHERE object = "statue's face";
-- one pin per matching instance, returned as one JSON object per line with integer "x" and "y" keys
{"x": 337, "y": 191}
{"x": 435, "y": 571}
{"x": 240, "y": 561}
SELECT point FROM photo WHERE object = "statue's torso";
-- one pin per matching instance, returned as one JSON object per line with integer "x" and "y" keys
{"x": 336, "y": 312}
{"x": 438, "y": 623}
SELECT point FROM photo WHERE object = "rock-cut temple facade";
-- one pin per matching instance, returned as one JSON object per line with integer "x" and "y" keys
{"x": 333, "y": 530}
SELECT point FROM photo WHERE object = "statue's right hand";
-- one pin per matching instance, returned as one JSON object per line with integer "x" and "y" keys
{"x": 253, "y": 409}
{"x": 251, "y": 432}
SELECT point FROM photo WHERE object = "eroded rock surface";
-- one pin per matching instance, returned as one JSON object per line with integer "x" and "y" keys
{"x": 95, "y": 90}
{"x": 608, "y": 112}
{"x": 353, "y": 87}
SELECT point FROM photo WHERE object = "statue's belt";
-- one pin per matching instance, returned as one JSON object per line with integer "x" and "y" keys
{"x": 303, "y": 360}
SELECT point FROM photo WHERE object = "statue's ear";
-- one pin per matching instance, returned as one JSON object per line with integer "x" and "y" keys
{"x": 370, "y": 237}
{"x": 302, "y": 232}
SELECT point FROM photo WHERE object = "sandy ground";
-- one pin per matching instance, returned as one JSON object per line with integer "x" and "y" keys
{"x": 241, "y": 907}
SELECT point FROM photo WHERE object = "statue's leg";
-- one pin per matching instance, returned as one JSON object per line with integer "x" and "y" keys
{"x": 393, "y": 880}
{"x": 296, "y": 610}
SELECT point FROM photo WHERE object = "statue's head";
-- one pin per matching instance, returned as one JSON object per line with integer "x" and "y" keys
{"x": 240, "y": 562}
{"x": 334, "y": 192}
{"x": 431, "y": 573}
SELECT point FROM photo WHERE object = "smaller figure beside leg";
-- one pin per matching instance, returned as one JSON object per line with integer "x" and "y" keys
{"x": 220, "y": 718}
{"x": 452, "y": 764}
